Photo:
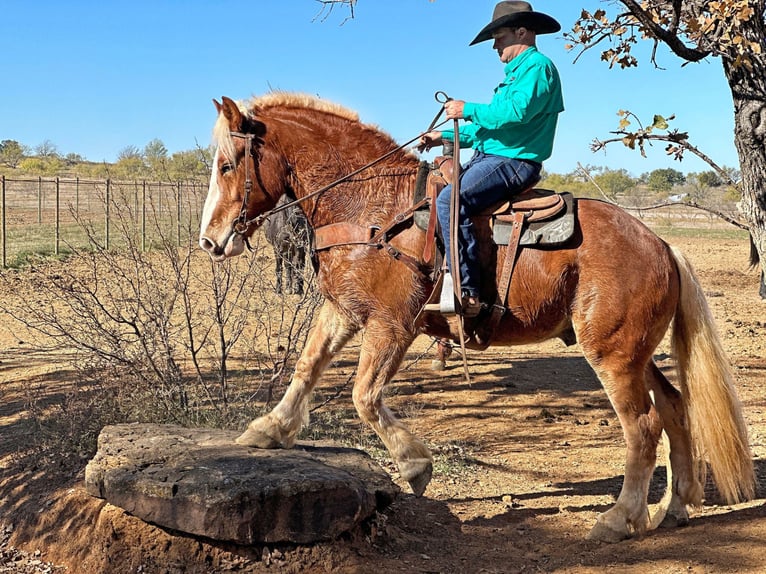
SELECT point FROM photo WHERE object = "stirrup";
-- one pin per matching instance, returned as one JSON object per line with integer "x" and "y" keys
{"x": 469, "y": 309}
{"x": 446, "y": 304}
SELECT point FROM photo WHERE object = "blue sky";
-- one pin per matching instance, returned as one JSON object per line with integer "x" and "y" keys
{"x": 94, "y": 77}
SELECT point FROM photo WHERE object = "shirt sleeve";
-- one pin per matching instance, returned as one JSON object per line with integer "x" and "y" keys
{"x": 467, "y": 135}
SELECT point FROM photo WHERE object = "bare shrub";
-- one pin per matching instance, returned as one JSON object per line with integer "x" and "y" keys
{"x": 162, "y": 335}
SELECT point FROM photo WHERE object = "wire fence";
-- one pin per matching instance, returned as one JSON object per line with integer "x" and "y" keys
{"x": 53, "y": 216}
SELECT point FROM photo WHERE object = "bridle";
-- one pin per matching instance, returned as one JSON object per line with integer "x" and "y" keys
{"x": 240, "y": 224}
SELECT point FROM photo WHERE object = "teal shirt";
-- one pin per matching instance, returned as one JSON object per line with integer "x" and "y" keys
{"x": 520, "y": 121}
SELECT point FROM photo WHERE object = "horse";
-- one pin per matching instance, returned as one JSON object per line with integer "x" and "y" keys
{"x": 289, "y": 234}
{"x": 615, "y": 286}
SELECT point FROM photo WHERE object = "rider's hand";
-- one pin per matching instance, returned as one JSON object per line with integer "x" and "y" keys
{"x": 454, "y": 109}
{"x": 429, "y": 140}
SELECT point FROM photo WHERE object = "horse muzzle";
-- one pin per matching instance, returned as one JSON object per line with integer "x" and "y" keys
{"x": 233, "y": 245}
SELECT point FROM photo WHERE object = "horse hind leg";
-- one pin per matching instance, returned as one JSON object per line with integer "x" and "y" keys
{"x": 683, "y": 487}
{"x": 278, "y": 269}
{"x": 280, "y": 427}
{"x": 443, "y": 352}
{"x": 642, "y": 427}
{"x": 382, "y": 351}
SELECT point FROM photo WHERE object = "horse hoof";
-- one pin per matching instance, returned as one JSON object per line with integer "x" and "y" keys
{"x": 258, "y": 437}
{"x": 437, "y": 365}
{"x": 603, "y": 533}
{"x": 417, "y": 473}
{"x": 674, "y": 521}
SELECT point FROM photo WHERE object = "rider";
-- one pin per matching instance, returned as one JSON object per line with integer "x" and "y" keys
{"x": 512, "y": 135}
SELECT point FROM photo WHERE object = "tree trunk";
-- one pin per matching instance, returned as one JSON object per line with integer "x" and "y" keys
{"x": 748, "y": 89}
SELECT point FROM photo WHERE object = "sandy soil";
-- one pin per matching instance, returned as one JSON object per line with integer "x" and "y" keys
{"x": 527, "y": 455}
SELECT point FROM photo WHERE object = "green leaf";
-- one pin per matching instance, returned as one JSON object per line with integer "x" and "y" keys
{"x": 659, "y": 123}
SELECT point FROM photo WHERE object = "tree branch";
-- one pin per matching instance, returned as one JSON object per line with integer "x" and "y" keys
{"x": 328, "y": 5}
{"x": 670, "y": 36}
{"x": 678, "y": 144}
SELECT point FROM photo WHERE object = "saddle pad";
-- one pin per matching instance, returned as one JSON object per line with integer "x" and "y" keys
{"x": 550, "y": 232}
{"x": 421, "y": 218}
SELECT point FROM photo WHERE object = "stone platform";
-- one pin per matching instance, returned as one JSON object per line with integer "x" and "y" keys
{"x": 199, "y": 481}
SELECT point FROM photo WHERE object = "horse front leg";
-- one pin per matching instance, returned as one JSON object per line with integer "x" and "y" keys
{"x": 382, "y": 351}
{"x": 291, "y": 265}
{"x": 280, "y": 427}
{"x": 299, "y": 264}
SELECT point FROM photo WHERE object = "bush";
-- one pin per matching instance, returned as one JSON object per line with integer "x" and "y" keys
{"x": 158, "y": 336}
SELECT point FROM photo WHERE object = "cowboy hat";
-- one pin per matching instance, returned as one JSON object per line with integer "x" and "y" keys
{"x": 513, "y": 14}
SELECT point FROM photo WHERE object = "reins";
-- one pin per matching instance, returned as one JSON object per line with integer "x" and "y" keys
{"x": 241, "y": 223}
{"x": 453, "y": 231}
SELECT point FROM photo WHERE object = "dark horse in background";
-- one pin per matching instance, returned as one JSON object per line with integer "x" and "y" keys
{"x": 754, "y": 261}
{"x": 289, "y": 234}
{"x": 615, "y": 285}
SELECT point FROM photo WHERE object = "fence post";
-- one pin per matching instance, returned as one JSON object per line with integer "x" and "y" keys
{"x": 108, "y": 201}
{"x": 58, "y": 218}
{"x": 77, "y": 196}
{"x": 39, "y": 199}
{"x": 143, "y": 218}
{"x": 178, "y": 213}
{"x": 2, "y": 231}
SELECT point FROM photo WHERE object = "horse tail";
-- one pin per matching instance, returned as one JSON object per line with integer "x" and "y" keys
{"x": 713, "y": 411}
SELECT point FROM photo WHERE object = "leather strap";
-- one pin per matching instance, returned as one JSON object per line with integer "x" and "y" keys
{"x": 336, "y": 234}
{"x": 454, "y": 225}
{"x": 535, "y": 212}
{"x": 434, "y": 184}
{"x": 399, "y": 218}
{"x": 437, "y": 180}
{"x": 344, "y": 233}
{"x": 503, "y": 285}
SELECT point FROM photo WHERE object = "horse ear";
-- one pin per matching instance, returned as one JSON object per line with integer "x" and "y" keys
{"x": 218, "y": 107}
{"x": 231, "y": 112}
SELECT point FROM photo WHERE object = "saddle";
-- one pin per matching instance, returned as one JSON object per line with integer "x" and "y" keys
{"x": 548, "y": 216}
{"x": 533, "y": 218}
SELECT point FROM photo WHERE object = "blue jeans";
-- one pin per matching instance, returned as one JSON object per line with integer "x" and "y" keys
{"x": 485, "y": 180}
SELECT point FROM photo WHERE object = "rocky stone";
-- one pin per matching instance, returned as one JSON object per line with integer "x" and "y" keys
{"x": 199, "y": 481}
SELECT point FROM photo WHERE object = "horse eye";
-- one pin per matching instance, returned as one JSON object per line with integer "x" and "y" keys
{"x": 226, "y": 168}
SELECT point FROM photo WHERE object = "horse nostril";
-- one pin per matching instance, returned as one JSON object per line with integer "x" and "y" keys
{"x": 206, "y": 244}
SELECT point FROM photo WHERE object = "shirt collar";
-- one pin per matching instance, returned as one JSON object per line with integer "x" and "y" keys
{"x": 514, "y": 64}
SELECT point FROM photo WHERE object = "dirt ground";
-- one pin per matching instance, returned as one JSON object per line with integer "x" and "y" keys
{"x": 527, "y": 455}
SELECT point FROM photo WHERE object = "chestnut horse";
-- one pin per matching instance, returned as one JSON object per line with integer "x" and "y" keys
{"x": 615, "y": 286}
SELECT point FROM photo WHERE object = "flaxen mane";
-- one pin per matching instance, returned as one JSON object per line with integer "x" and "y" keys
{"x": 284, "y": 100}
